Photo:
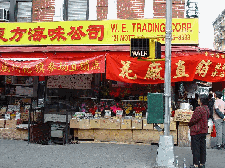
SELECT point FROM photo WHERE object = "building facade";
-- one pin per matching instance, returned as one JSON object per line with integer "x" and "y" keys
{"x": 62, "y": 10}
{"x": 219, "y": 32}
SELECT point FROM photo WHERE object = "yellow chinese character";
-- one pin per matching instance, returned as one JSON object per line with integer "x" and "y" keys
{"x": 5, "y": 68}
{"x": 217, "y": 55}
{"x": 206, "y": 53}
{"x": 222, "y": 55}
{"x": 51, "y": 67}
{"x": 203, "y": 68}
{"x": 73, "y": 67}
{"x": 212, "y": 55}
{"x": 126, "y": 71}
{"x": 40, "y": 67}
{"x": 27, "y": 69}
{"x": 95, "y": 65}
{"x": 180, "y": 72}
{"x": 154, "y": 71}
{"x": 85, "y": 65}
{"x": 16, "y": 67}
{"x": 218, "y": 66}
{"x": 63, "y": 67}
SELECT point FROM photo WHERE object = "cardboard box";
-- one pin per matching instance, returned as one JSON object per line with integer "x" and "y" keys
{"x": 10, "y": 123}
{"x": 114, "y": 123}
{"x": 147, "y": 126}
{"x": 2, "y": 123}
{"x": 74, "y": 123}
{"x": 183, "y": 115}
{"x": 95, "y": 123}
{"x": 126, "y": 124}
{"x": 85, "y": 134}
{"x": 113, "y": 135}
{"x": 173, "y": 124}
{"x": 137, "y": 123}
{"x": 104, "y": 123}
{"x": 84, "y": 124}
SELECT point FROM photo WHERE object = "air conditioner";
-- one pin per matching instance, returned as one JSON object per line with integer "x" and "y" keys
{"x": 4, "y": 14}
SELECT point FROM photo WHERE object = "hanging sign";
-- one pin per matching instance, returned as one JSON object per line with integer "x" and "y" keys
{"x": 75, "y": 63}
{"x": 121, "y": 67}
{"x": 106, "y": 32}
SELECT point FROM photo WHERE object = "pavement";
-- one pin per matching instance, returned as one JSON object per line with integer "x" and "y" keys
{"x": 20, "y": 154}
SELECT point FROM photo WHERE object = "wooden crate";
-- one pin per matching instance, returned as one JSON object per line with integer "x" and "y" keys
{"x": 107, "y": 135}
{"x": 85, "y": 134}
{"x": 183, "y": 139}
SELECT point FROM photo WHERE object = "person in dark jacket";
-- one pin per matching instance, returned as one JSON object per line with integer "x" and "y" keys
{"x": 194, "y": 102}
{"x": 211, "y": 105}
{"x": 198, "y": 130}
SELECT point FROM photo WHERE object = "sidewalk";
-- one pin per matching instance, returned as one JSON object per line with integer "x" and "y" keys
{"x": 19, "y": 154}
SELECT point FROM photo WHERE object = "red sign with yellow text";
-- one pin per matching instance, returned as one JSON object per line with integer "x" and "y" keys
{"x": 63, "y": 65}
{"x": 106, "y": 32}
{"x": 201, "y": 66}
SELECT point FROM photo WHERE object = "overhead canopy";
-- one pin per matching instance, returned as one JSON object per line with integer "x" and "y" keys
{"x": 204, "y": 66}
{"x": 52, "y": 63}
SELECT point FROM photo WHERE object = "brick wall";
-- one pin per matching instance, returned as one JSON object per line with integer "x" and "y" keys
{"x": 178, "y": 8}
{"x": 102, "y": 9}
{"x": 43, "y": 10}
{"x": 130, "y": 9}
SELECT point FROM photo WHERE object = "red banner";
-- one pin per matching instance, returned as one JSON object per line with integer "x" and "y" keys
{"x": 122, "y": 67}
{"x": 48, "y": 64}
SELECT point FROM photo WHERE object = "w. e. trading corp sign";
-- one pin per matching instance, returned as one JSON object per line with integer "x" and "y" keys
{"x": 139, "y": 47}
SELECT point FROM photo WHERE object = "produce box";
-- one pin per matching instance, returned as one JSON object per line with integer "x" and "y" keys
{"x": 114, "y": 123}
{"x": 12, "y": 123}
{"x": 74, "y": 123}
{"x": 136, "y": 123}
{"x": 147, "y": 126}
{"x": 126, "y": 124}
{"x": 2, "y": 123}
{"x": 104, "y": 123}
{"x": 84, "y": 124}
{"x": 95, "y": 123}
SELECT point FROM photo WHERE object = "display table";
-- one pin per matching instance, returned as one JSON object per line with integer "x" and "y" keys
{"x": 120, "y": 130}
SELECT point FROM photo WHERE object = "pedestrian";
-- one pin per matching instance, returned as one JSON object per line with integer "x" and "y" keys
{"x": 198, "y": 130}
{"x": 211, "y": 105}
{"x": 194, "y": 102}
{"x": 219, "y": 119}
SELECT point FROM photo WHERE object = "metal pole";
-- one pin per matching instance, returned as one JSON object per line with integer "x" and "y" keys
{"x": 165, "y": 155}
{"x": 167, "y": 84}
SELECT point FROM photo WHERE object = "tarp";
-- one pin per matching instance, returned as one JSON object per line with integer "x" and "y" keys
{"x": 204, "y": 66}
{"x": 48, "y": 64}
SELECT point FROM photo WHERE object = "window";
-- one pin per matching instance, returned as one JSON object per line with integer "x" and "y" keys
{"x": 24, "y": 11}
{"x": 77, "y": 10}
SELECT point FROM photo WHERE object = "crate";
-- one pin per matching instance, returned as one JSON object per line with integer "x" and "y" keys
{"x": 183, "y": 138}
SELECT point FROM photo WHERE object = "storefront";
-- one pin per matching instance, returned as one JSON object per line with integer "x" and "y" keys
{"x": 102, "y": 88}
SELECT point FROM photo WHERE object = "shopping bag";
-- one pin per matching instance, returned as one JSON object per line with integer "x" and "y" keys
{"x": 213, "y": 133}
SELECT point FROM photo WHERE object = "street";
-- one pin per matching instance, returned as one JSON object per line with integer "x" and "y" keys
{"x": 16, "y": 153}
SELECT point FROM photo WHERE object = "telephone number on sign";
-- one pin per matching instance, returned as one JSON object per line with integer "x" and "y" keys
{"x": 182, "y": 37}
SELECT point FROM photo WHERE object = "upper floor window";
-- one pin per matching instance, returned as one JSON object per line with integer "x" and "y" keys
{"x": 19, "y": 10}
{"x": 77, "y": 10}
